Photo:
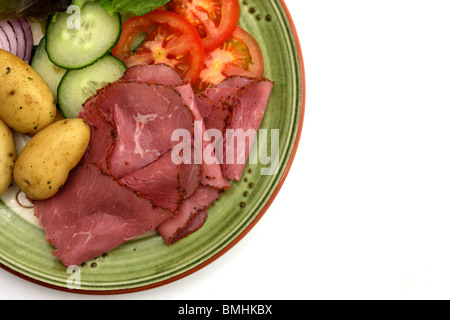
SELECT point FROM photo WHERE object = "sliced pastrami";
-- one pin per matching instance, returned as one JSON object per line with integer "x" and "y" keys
{"x": 236, "y": 82}
{"x": 246, "y": 119}
{"x": 154, "y": 74}
{"x": 187, "y": 220}
{"x": 196, "y": 222}
{"x": 203, "y": 149}
{"x": 102, "y": 135}
{"x": 145, "y": 117}
{"x": 159, "y": 182}
{"x": 190, "y": 175}
{"x": 93, "y": 214}
{"x": 217, "y": 105}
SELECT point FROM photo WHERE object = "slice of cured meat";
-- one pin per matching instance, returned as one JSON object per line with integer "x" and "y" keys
{"x": 191, "y": 216}
{"x": 154, "y": 74}
{"x": 190, "y": 175}
{"x": 193, "y": 211}
{"x": 244, "y": 122}
{"x": 236, "y": 108}
{"x": 217, "y": 105}
{"x": 195, "y": 222}
{"x": 159, "y": 181}
{"x": 145, "y": 117}
{"x": 203, "y": 151}
{"x": 93, "y": 214}
{"x": 164, "y": 182}
{"x": 237, "y": 82}
{"x": 204, "y": 104}
{"x": 102, "y": 135}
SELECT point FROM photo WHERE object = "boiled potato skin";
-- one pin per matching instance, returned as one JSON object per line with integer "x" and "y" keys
{"x": 7, "y": 157}
{"x": 43, "y": 167}
{"x": 27, "y": 104}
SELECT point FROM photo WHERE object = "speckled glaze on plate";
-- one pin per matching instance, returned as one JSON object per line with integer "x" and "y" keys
{"x": 147, "y": 262}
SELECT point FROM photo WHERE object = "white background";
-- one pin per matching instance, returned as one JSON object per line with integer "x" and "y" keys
{"x": 365, "y": 211}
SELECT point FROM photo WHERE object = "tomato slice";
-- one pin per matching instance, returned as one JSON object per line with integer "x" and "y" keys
{"x": 238, "y": 56}
{"x": 215, "y": 20}
{"x": 161, "y": 37}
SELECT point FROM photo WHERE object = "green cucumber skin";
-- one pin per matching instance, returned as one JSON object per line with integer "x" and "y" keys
{"x": 41, "y": 63}
{"x": 95, "y": 61}
{"x": 107, "y": 52}
{"x": 64, "y": 107}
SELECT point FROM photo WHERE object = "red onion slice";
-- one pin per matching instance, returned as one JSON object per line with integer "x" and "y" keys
{"x": 4, "y": 42}
{"x": 7, "y": 28}
{"x": 29, "y": 39}
{"x": 20, "y": 37}
{"x": 16, "y": 37}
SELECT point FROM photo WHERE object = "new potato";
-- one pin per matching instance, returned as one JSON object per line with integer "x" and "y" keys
{"x": 7, "y": 157}
{"x": 44, "y": 165}
{"x": 27, "y": 104}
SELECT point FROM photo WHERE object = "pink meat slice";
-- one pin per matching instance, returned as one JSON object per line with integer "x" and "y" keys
{"x": 102, "y": 135}
{"x": 247, "y": 116}
{"x": 211, "y": 170}
{"x": 190, "y": 175}
{"x": 197, "y": 221}
{"x": 204, "y": 104}
{"x": 155, "y": 74}
{"x": 236, "y": 82}
{"x": 217, "y": 105}
{"x": 190, "y": 178}
{"x": 191, "y": 216}
{"x": 159, "y": 182}
{"x": 94, "y": 214}
{"x": 145, "y": 117}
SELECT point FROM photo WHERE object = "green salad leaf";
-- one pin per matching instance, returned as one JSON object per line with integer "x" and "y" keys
{"x": 137, "y": 7}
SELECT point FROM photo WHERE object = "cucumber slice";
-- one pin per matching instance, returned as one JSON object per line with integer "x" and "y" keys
{"x": 70, "y": 47}
{"x": 79, "y": 85}
{"x": 51, "y": 73}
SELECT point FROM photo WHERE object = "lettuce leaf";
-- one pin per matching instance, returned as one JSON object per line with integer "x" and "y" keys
{"x": 137, "y": 7}
{"x": 39, "y": 9}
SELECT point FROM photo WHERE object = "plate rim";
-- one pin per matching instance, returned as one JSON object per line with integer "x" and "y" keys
{"x": 235, "y": 241}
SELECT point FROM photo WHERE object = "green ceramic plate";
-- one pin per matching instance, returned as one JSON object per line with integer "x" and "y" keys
{"x": 147, "y": 262}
